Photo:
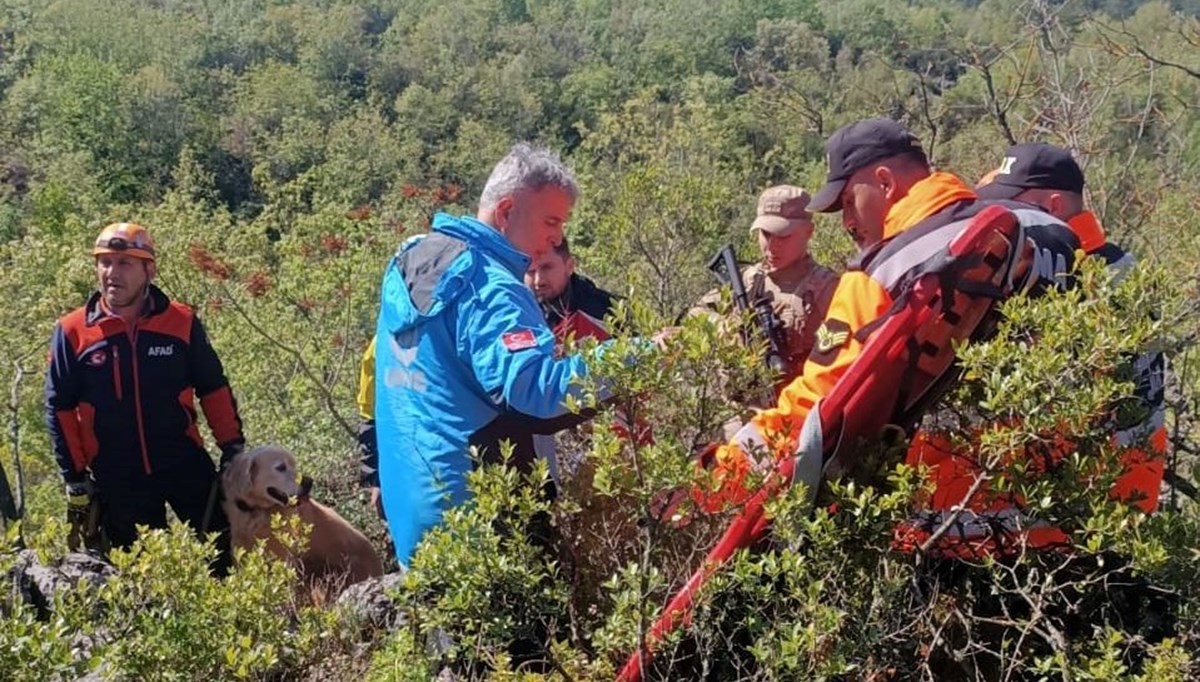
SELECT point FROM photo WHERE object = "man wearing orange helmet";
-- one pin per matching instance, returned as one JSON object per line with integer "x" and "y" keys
{"x": 125, "y": 370}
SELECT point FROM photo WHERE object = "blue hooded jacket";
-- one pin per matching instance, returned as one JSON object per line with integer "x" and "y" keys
{"x": 460, "y": 340}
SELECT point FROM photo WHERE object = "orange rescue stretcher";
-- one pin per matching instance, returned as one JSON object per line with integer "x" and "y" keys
{"x": 907, "y": 363}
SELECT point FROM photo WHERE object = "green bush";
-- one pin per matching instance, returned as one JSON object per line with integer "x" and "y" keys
{"x": 831, "y": 596}
{"x": 280, "y": 151}
{"x": 164, "y": 617}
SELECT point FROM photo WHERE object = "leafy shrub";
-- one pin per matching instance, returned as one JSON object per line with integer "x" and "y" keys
{"x": 831, "y": 596}
{"x": 164, "y": 617}
{"x": 280, "y": 151}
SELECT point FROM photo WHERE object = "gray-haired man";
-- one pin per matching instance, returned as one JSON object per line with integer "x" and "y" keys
{"x": 461, "y": 343}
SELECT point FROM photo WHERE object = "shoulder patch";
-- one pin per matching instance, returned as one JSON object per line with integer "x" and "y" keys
{"x": 515, "y": 341}
{"x": 831, "y": 337}
{"x": 423, "y": 263}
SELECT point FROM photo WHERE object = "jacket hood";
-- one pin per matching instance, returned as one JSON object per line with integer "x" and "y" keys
{"x": 924, "y": 199}
{"x": 431, "y": 271}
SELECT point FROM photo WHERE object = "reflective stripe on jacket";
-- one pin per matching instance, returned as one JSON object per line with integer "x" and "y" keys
{"x": 120, "y": 398}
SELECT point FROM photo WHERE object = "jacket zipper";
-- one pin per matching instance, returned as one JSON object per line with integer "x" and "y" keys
{"x": 117, "y": 372}
{"x": 137, "y": 405}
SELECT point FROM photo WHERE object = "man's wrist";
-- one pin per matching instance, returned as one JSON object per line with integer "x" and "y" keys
{"x": 231, "y": 450}
{"x": 79, "y": 493}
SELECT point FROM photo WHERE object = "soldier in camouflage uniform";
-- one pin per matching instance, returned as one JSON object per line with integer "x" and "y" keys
{"x": 798, "y": 288}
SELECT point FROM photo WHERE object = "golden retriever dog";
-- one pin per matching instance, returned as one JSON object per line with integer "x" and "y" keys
{"x": 262, "y": 483}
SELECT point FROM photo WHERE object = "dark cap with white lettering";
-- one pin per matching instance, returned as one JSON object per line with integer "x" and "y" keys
{"x": 1032, "y": 166}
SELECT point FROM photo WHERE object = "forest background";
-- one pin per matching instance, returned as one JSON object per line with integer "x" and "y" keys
{"x": 280, "y": 151}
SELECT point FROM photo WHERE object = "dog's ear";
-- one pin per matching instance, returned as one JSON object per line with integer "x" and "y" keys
{"x": 236, "y": 478}
{"x": 252, "y": 473}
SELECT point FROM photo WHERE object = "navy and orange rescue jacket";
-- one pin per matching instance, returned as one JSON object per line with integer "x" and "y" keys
{"x": 121, "y": 399}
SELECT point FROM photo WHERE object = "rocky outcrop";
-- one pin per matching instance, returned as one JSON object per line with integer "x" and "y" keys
{"x": 38, "y": 585}
{"x": 369, "y": 603}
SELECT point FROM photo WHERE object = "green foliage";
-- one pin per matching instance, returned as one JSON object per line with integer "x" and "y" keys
{"x": 176, "y": 622}
{"x": 481, "y": 582}
{"x": 831, "y": 596}
{"x": 164, "y": 617}
{"x": 32, "y": 648}
{"x": 279, "y": 151}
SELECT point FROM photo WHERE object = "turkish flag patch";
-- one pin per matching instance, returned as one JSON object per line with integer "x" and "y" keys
{"x": 521, "y": 340}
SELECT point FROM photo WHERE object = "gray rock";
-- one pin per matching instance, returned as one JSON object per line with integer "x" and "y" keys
{"x": 369, "y": 602}
{"x": 67, "y": 574}
{"x": 21, "y": 590}
{"x": 37, "y": 585}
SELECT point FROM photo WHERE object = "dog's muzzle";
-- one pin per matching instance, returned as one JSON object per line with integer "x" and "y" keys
{"x": 278, "y": 495}
{"x": 306, "y": 484}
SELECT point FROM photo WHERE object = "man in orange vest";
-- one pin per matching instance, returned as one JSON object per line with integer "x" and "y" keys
{"x": 1048, "y": 177}
{"x": 899, "y": 212}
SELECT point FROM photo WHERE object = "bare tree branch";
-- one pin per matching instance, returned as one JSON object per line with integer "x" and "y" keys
{"x": 297, "y": 357}
{"x": 1135, "y": 48}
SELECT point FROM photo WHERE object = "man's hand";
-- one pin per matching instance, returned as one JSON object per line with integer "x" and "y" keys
{"x": 79, "y": 502}
{"x": 80, "y": 492}
{"x": 377, "y": 501}
{"x": 228, "y": 452}
{"x": 663, "y": 336}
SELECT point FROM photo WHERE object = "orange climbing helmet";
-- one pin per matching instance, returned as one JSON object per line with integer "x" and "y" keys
{"x": 130, "y": 239}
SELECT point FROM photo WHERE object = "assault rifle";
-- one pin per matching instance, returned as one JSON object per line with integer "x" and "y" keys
{"x": 724, "y": 265}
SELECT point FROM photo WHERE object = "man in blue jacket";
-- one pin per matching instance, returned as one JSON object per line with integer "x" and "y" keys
{"x": 461, "y": 341}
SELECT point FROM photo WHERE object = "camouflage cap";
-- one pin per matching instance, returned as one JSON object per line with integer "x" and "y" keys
{"x": 781, "y": 210}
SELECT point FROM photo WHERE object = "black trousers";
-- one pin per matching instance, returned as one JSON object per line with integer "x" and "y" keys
{"x": 133, "y": 498}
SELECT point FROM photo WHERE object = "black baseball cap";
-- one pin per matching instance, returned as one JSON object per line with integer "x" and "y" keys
{"x": 1032, "y": 166}
{"x": 856, "y": 146}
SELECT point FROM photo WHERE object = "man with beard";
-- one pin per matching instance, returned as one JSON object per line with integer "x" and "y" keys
{"x": 570, "y": 302}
